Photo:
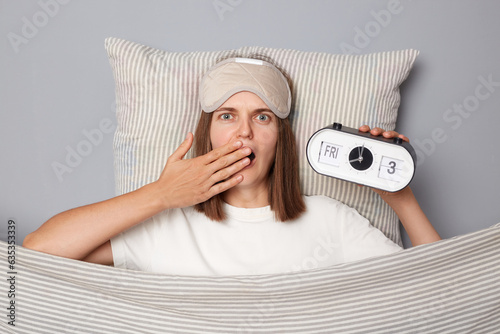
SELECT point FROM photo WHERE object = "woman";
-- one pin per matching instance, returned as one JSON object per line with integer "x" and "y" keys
{"x": 235, "y": 208}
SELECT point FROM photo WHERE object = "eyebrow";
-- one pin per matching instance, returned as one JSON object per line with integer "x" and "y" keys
{"x": 234, "y": 109}
{"x": 224, "y": 109}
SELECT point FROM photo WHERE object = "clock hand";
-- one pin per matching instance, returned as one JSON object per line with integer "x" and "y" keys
{"x": 357, "y": 159}
{"x": 360, "y": 152}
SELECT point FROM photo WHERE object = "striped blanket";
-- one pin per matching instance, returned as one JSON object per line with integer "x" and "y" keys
{"x": 452, "y": 286}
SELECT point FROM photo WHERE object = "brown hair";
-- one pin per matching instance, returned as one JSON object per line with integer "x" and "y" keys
{"x": 284, "y": 186}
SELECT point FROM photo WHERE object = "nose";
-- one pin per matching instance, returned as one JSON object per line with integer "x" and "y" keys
{"x": 244, "y": 129}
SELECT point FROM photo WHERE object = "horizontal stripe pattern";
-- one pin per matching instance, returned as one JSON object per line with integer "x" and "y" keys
{"x": 157, "y": 105}
{"x": 451, "y": 286}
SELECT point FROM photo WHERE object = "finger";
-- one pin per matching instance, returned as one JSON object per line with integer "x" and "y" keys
{"x": 390, "y": 134}
{"x": 364, "y": 128}
{"x": 376, "y": 131}
{"x": 394, "y": 134}
{"x": 221, "y": 151}
{"x": 406, "y": 139}
{"x": 183, "y": 148}
{"x": 225, "y": 185}
{"x": 227, "y": 172}
{"x": 229, "y": 159}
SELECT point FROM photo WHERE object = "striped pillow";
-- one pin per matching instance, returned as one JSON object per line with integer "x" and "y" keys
{"x": 156, "y": 96}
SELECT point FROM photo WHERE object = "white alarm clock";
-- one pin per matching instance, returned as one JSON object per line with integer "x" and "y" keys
{"x": 351, "y": 155}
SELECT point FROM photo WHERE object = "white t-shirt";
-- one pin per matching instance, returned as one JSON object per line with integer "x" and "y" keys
{"x": 250, "y": 241}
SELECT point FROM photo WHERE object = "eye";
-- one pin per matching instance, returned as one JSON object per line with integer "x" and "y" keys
{"x": 263, "y": 117}
{"x": 226, "y": 117}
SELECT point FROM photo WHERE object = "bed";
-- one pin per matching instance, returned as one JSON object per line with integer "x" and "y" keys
{"x": 450, "y": 286}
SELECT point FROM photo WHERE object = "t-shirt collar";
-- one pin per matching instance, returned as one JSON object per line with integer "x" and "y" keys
{"x": 248, "y": 214}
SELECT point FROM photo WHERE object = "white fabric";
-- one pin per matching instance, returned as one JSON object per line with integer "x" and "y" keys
{"x": 250, "y": 241}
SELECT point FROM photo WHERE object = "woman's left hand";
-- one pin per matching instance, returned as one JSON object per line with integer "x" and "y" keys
{"x": 404, "y": 203}
{"x": 385, "y": 134}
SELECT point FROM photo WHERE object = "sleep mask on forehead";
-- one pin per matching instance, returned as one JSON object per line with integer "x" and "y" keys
{"x": 236, "y": 75}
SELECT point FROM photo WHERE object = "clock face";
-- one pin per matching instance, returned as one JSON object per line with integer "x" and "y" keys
{"x": 361, "y": 158}
{"x": 350, "y": 155}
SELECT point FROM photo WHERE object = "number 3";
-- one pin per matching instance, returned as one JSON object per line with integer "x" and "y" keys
{"x": 392, "y": 170}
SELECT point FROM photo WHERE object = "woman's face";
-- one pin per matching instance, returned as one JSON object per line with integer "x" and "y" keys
{"x": 246, "y": 117}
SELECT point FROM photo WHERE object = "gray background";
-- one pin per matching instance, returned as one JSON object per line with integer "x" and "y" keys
{"x": 56, "y": 85}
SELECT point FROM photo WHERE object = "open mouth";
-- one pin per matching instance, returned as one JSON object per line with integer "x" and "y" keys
{"x": 251, "y": 156}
